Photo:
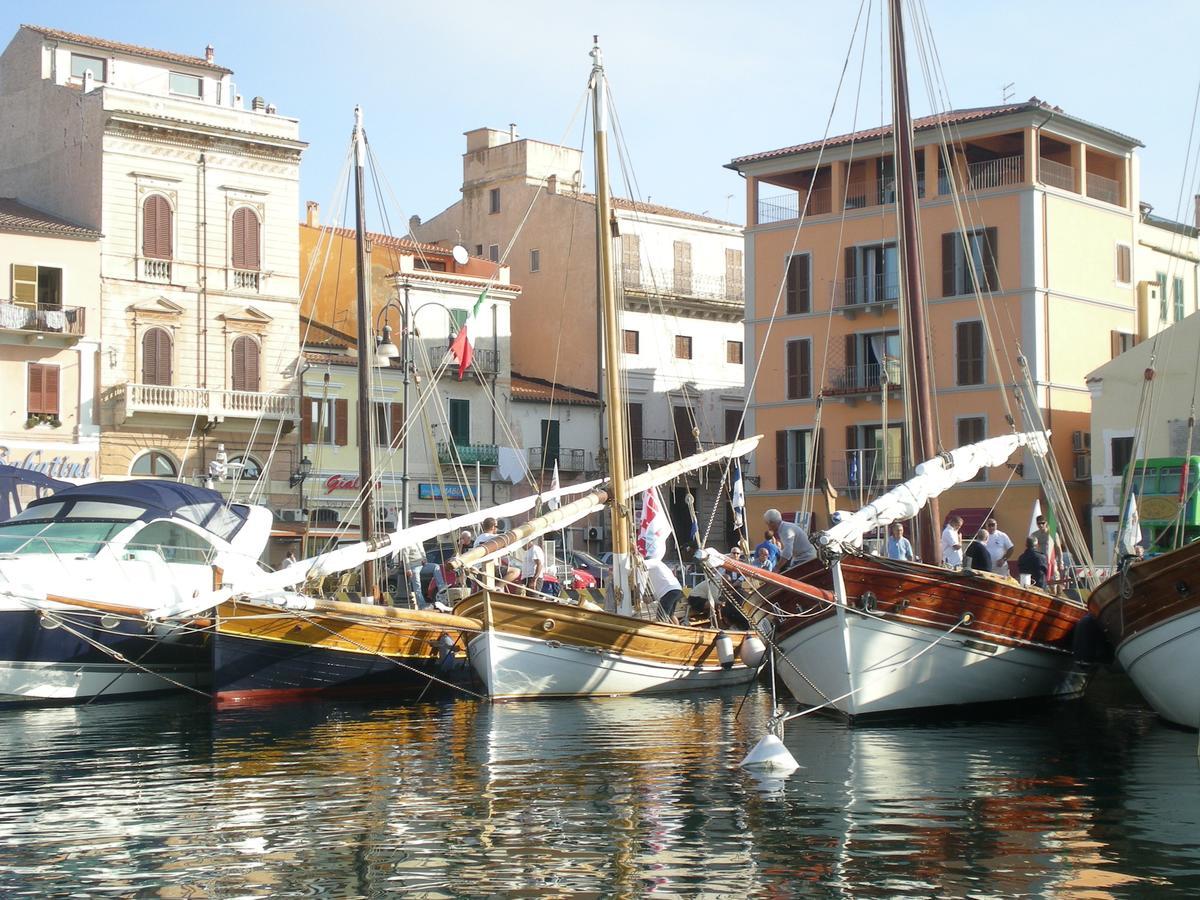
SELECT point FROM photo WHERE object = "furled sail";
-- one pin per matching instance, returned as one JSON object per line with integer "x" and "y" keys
{"x": 932, "y": 477}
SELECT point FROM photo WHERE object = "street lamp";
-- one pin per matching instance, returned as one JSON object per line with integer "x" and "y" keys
{"x": 301, "y": 473}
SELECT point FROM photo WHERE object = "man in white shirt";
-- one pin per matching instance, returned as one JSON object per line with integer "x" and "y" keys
{"x": 504, "y": 571}
{"x": 952, "y": 543}
{"x": 534, "y": 566}
{"x": 797, "y": 548}
{"x": 1000, "y": 546}
{"x": 664, "y": 586}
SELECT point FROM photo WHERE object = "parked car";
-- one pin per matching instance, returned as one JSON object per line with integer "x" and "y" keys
{"x": 588, "y": 563}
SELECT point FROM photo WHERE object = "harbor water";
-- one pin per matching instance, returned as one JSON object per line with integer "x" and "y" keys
{"x": 616, "y": 797}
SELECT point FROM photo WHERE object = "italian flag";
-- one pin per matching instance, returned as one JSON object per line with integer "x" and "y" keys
{"x": 462, "y": 348}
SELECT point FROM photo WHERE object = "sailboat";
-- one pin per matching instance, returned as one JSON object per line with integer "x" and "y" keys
{"x": 532, "y": 646}
{"x": 859, "y": 634}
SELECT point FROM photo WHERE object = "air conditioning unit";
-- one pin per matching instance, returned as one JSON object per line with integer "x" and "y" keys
{"x": 1081, "y": 441}
{"x": 291, "y": 515}
{"x": 1083, "y": 466}
{"x": 596, "y": 533}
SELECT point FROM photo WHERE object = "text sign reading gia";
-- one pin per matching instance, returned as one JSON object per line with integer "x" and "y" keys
{"x": 451, "y": 492}
{"x": 345, "y": 483}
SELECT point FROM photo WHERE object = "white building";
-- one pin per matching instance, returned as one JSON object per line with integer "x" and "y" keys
{"x": 196, "y": 199}
{"x": 681, "y": 281}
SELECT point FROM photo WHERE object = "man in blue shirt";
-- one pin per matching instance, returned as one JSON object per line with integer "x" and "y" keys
{"x": 772, "y": 551}
{"x": 898, "y": 546}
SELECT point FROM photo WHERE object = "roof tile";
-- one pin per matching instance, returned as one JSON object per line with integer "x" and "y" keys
{"x": 131, "y": 49}
{"x": 16, "y": 216}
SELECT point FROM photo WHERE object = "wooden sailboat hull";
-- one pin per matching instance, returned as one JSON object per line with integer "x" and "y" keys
{"x": 888, "y": 648}
{"x": 534, "y": 648}
{"x": 263, "y": 653}
{"x": 1151, "y": 614}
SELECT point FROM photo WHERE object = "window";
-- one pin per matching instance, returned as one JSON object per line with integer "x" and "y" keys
{"x": 174, "y": 543}
{"x": 969, "y": 344}
{"x": 633, "y": 414}
{"x": 685, "y": 435}
{"x": 549, "y": 442}
{"x": 869, "y": 357}
{"x": 156, "y": 356}
{"x": 734, "y": 279}
{"x": 1177, "y": 298}
{"x": 971, "y": 430}
{"x": 245, "y": 239}
{"x": 733, "y": 352}
{"x": 683, "y": 267}
{"x": 632, "y": 341}
{"x": 494, "y": 201}
{"x": 1161, "y": 277}
{"x": 479, "y": 250}
{"x": 1119, "y": 454}
{"x": 324, "y": 421}
{"x": 798, "y": 369}
{"x": 42, "y": 394}
{"x": 1121, "y": 341}
{"x": 535, "y": 260}
{"x": 872, "y": 274}
{"x": 389, "y": 423}
{"x": 966, "y": 258}
{"x": 1124, "y": 264}
{"x": 245, "y": 467}
{"x": 735, "y": 426}
{"x": 187, "y": 85}
{"x": 631, "y": 260}
{"x": 458, "y": 318}
{"x": 245, "y": 353}
{"x": 81, "y": 65}
{"x": 683, "y": 347}
{"x": 37, "y": 286}
{"x": 460, "y": 422}
{"x": 155, "y": 464}
{"x": 799, "y": 283}
{"x": 494, "y": 252}
{"x": 156, "y": 227}
{"x": 793, "y": 452}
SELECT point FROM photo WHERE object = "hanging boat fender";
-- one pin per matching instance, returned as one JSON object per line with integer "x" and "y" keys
{"x": 725, "y": 650}
{"x": 752, "y": 651}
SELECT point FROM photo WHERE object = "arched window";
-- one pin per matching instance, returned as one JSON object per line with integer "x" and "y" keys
{"x": 155, "y": 464}
{"x": 156, "y": 356}
{"x": 245, "y": 364}
{"x": 156, "y": 227}
{"x": 246, "y": 230}
{"x": 250, "y": 468}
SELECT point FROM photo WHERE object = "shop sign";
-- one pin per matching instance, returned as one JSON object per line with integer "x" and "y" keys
{"x": 345, "y": 483}
{"x": 451, "y": 492}
{"x": 61, "y": 465}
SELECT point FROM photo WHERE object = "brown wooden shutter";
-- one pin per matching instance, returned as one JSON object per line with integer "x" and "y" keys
{"x": 781, "y": 460}
{"x": 245, "y": 364}
{"x": 50, "y": 390}
{"x": 850, "y": 374}
{"x": 397, "y": 417}
{"x": 341, "y": 417}
{"x": 851, "y": 437}
{"x": 156, "y": 227}
{"x": 851, "y": 275}
{"x": 803, "y": 283}
{"x": 306, "y": 422}
{"x": 793, "y": 297}
{"x": 246, "y": 234}
{"x": 156, "y": 357}
{"x": 949, "y": 254}
{"x": 819, "y": 455}
{"x": 804, "y": 360}
{"x": 991, "y": 256}
{"x": 633, "y": 412}
{"x": 33, "y": 402}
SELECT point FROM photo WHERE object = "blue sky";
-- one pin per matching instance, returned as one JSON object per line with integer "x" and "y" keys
{"x": 695, "y": 83}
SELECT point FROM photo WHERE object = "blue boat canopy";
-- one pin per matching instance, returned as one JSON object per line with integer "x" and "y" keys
{"x": 161, "y": 499}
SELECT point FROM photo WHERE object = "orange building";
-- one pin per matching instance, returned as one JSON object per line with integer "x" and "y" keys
{"x": 1049, "y": 217}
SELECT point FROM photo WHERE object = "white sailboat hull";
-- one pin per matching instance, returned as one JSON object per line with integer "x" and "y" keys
{"x": 867, "y": 665}
{"x": 515, "y": 667}
{"x": 1164, "y": 662}
{"x": 45, "y": 682}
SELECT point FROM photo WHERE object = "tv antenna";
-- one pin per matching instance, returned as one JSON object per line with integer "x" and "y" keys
{"x": 1007, "y": 92}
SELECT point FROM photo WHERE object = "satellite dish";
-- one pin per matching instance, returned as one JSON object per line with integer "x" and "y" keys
{"x": 460, "y": 254}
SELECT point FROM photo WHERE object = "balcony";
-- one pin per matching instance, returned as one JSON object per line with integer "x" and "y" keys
{"x": 1103, "y": 189}
{"x": 650, "y": 282}
{"x": 867, "y": 293}
{"x": 41, "y": 320}
{"x": 865, "y": 378}
{"x": 1055, "y": 174}
{"x": 212, "y": 403}
{"x": 569, "y": 460}
{"x": 156, "y": 270}
{"x": 467, "y": 454}
{"x": 784, "y": 207}
{"x": 861, "y": 194}
{"x": 866, "y": 470}
{"x": 246, "y": 280}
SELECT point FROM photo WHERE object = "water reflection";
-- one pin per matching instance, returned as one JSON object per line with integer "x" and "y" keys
{"x": 615, "y": 797}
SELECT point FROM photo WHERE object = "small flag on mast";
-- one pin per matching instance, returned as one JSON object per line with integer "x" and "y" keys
{"x": 737, "y": 497}
{"x": 552, "y": 503}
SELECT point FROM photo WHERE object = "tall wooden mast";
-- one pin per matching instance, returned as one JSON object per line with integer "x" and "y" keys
{"x": 608, "y": 303}
{"x": 366, "y": 355}
{"x": 915, "y": 340}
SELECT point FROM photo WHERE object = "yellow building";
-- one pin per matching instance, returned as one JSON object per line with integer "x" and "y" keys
{"x": 1049, "y": 223}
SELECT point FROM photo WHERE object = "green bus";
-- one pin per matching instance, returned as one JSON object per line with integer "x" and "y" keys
{"x": 1160, "y": 489}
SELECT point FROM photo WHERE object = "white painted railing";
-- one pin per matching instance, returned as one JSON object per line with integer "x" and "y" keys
{"x": 166, "y": 398}
{"x": 245, "y": 280}
{"x": 156, "y": 270}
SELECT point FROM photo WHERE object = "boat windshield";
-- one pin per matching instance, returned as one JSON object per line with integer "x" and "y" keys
{"x": 78, "y": 529}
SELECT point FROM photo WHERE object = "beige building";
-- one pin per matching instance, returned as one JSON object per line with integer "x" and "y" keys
{"x": 194, "y": 196}
{"x": 681, "y": 285}
{"x": 49, "y": 343}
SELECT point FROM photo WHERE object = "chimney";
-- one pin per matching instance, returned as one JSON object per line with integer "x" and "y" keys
{"x": 512, "y": 132}
{"x": 89, "y": 81}
{"x": 271, "y": 109}
{"x": 209, "y": 54}
{"x": 414, "y": 222}
{"x": 552, "y": 184}
{"x": 312, "y": 213}
{"x": 258, "y": 104}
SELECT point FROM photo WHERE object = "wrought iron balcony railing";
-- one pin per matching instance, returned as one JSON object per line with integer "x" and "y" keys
{"x": 468, "y": 454}
{"x": 47, "y": 320}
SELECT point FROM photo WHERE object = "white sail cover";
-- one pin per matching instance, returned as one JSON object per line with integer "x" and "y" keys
{"x": 932, "y": 477}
